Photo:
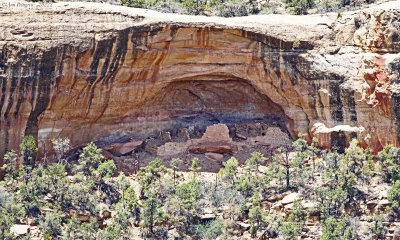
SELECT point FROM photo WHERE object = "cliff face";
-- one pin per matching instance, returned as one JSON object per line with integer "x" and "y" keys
{"x": 137, "y": 79}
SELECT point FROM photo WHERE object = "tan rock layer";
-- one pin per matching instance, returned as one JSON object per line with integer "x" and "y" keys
{"x": 94, "y": 71}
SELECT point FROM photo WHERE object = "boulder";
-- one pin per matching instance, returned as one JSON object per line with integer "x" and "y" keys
{"x": 215, "y": 147}
{"x": 244, "y": 226}
{"x": 19, "y": 229}
{"x": 290, "y": 198}
{"x": 208, "y": 216}
{"x": 119, "y": 149}
{"x": 214, "y": 156}
{"x": 216, "y": 133}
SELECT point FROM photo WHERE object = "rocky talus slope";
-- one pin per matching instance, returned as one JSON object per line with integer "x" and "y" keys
{"x": 137, "y": 81}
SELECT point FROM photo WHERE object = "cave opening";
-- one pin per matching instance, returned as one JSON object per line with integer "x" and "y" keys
{"x": 197, "y": 104}
{"x": 174, "y": 122}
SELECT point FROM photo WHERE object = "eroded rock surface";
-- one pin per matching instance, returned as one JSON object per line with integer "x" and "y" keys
{"x": 135, "y": 80}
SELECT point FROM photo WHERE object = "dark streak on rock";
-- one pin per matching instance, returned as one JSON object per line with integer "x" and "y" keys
{"x": 262, "y": 57}
{"x": 47, "y": 74}
{"x": 350, "y": 105}
{"x": 121, "y": 50}
{"x": 21, "y": 95}
{"x": 335, "y": 101}
{"x": 313, "y": 100}
{"x": 103, "y": 50}
{"x": 396, "y": 111}
{"x": 291, "y": 61}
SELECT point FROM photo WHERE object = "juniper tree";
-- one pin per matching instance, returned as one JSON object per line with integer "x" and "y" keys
{"x": 152, "y": 214}
{"x": 28, "y": 149}
{"x": 10, "y": 166}
{"x": 273, "y": 225}
{"x": 130, "y": 202}
{"x": 71, "y": 230}
{"x": 299, "y": 7}
{"x": 89, "y": 160}
{"x": 333, "y": 228}
{"x": 32, "y": 191}
{"x": 188, "y": 195}
{"x": 210, "y": 230}
{"x": 302, "y": 152}
{"x": 51, "y": 226}
{"x": 88, "y": 230}
{"x": 119, "y": 228}
{"x": 121, "y": 184}
{"x": 295, "y": 223}
{"x": 394, "y": 196}
{"x": 257, "y": 215}
{"x": 353, "y": 158}
{"x": 338, "y": 189}
{"x": 57, "y": 184}
{"x": 368, "y": 168}
{"x": 314, "y": 150}
{"x": 390, "y": 157}
{"x": 82, "y": 194}
{"x": 377, "y": 227}
{"x": 104, "y": 171}
{"x": 9, "y": 213}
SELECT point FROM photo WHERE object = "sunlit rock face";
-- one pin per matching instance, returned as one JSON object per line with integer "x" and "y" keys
{"x": 141, "y": 83}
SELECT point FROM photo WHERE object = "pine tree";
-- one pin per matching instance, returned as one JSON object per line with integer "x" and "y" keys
{"x": 175, "y": 167}
{"x": 256, "y": 160}
{"x": 230, "y": 168}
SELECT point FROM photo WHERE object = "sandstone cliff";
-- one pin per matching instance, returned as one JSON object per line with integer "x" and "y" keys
{"x": 138, "y": 79}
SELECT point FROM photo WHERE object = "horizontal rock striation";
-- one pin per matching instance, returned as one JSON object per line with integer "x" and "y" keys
{"x": 116, "y": 75}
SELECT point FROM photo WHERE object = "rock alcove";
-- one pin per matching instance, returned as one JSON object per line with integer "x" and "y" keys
{"x": 208, "y": 117}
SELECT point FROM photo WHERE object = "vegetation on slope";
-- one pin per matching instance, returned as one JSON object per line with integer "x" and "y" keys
{"x": 232, "y": 8}
{"x": 235, "y": 8}
{"x": 92, "y": 202}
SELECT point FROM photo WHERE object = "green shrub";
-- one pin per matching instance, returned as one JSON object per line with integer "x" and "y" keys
{"x": 390, "y": 156}
{"x": 394, "y": 196}
{"x": 194, "y": 7}
{"x": 295, "y": 222}
{"x": 10, "y": 166}
{"x": 89, "y": 160}
{"x": 133, "y": 3}
{"x": 299, "y": 7}
{"x": 296, "y": 43}
{"x": 210, "y": 230}
{"x": 230, "y": 168}
{"x": 51, "y": 225}
{"x": 377, "y": 228}
{"x": 333, "y": 229}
